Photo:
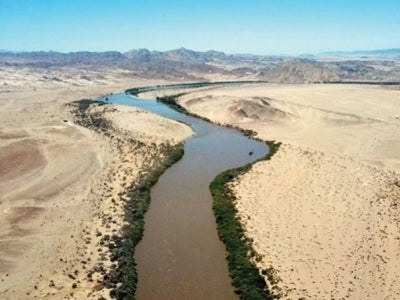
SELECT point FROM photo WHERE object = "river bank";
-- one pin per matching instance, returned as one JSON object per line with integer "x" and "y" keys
{"x": 241, "y": 255}
{"x": 181, "y": 229}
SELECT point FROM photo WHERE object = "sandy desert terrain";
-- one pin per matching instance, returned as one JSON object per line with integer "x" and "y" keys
{"x": 324, "y": 211}
{"x": 62, "y": 185}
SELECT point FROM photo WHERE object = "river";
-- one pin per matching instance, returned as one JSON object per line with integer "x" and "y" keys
{"x": 180, "y": 255}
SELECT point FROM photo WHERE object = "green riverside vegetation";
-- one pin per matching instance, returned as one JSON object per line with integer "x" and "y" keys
{"x": 171, "y": 102}
{"x": 125, "y": 273}
{"x": 138, "y": 90}
{"x": 246, "y": 277}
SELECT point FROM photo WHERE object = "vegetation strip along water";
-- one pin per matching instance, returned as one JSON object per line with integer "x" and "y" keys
{"x": 138, "y": 90}
{"x": 135, "y": 209}
{"x": 241, "y": 254}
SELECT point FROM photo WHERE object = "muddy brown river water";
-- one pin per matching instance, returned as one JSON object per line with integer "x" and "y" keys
{"x": 180, "y": 255}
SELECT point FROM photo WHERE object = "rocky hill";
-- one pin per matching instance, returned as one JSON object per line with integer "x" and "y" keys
{"x": 301, "y": 72}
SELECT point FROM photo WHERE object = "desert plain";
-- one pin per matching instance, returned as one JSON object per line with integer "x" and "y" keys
{"x": 323, "y": 213}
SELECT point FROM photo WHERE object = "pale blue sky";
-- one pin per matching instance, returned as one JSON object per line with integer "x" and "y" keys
{"x": 252, "y": 26}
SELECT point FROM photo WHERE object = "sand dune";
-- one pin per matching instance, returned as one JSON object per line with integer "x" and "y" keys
{"x": 62, "y": 185}
{"x": 323, "y": 213}
{"x": 329, "y": 225}
{"x": 357, "y": 121}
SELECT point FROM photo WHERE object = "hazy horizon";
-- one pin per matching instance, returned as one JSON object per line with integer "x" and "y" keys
{"x": 254, "y": 27}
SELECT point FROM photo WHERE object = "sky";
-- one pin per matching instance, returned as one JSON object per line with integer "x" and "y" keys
{"x": 247, "y": 26}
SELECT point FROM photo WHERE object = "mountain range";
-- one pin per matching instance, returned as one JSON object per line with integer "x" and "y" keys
{"x": 183, "y": 64}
